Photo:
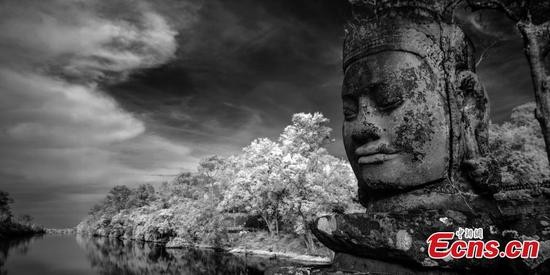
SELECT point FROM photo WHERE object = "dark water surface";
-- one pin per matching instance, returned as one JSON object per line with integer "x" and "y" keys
{"x": 74, "y": 255}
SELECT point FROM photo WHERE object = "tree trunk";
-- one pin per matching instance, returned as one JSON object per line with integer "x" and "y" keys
{"x": 308, "y": 239}
{"x": 211, "y": 193}
{"x": 277, "y": 226}
{"x": 269, "y": 229}
{"x": 310, "y": 243}
{"x": 277, "y": 219}
{"x": 533, "y": 37}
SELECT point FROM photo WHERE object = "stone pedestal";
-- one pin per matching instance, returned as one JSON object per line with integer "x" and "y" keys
{"x": 396, "y": 243}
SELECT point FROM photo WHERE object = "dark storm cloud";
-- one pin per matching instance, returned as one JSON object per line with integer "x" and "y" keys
{"x": 98, "y": 93}
{"x": 243, "y": 70}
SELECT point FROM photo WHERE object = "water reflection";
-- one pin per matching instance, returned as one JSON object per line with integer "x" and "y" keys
{"x": 18, "y": 245}
{"x": 126, "y": 257}
{"x": 70, "y": 255}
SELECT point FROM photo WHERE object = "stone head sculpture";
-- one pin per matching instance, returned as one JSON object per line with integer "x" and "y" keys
{"x": 415, "y": 133}
{"x": 414, "y": 110}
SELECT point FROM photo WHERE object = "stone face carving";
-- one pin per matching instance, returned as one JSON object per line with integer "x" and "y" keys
{"x": 395, "y": 121}
{"x": 414, "y": 110}
{"x": 415, "y": 133}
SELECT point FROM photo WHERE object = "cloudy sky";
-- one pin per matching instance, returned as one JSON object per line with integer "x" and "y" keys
{"x": 99, "y": 93}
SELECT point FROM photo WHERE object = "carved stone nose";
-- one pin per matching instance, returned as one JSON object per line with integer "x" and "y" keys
{"x": 366, "y": 131}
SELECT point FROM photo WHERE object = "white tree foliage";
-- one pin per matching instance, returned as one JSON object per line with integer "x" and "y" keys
{"x": 291, "y": 180}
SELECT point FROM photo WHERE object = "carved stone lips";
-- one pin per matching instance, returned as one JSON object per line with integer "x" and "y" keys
{"x": 376, "y": 158}
{"x": 375, "y": 154}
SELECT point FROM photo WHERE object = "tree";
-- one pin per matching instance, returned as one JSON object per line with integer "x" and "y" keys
{"x": 141, "y": 196}
{"x": 317, "y": 184}
{"x": 256, "y": 183}
{"x": 25, "y": 219}
{"x": 210, "y": 168}
{"x": 291, "y": 180}
{"x": 118, "y": 198}
{"x": 517, "y": 150}
{"x": 316, "y": 181}
{"x": 532, "y": 19}
{"x": 5, "y": 211}
{"x": 306, "y": 134}
{"x": 186, "y": 185}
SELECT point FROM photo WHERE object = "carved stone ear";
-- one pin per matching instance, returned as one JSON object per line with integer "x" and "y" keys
{"x": 475, "y": 110}
{"x": 475, "y": 139}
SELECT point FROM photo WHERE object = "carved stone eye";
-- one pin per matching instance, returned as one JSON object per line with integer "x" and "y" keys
{"x": 388, "y": 106}
{"x": 388, "y": 97}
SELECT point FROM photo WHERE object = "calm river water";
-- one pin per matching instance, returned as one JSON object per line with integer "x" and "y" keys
{"x": 70, "y": 255}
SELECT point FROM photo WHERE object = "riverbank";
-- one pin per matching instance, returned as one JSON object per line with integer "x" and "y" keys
{"x": 288, "y": 255}
{"x": 188, "y": 225}
{"x": 11, "y": 226}
{"x": 259, "y": 244}
{"x": 11, "y": 230}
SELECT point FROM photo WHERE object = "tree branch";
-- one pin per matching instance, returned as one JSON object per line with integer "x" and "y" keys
{"x": 451, "y": 6}
{"x": 526, "y": 12}
{"x": 485, "y": 51}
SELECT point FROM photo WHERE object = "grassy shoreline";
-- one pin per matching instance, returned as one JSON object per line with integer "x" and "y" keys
{"x": 323, "y": 255}
{"x": 302, "y": 258}
{"x": 297, "y": 257}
